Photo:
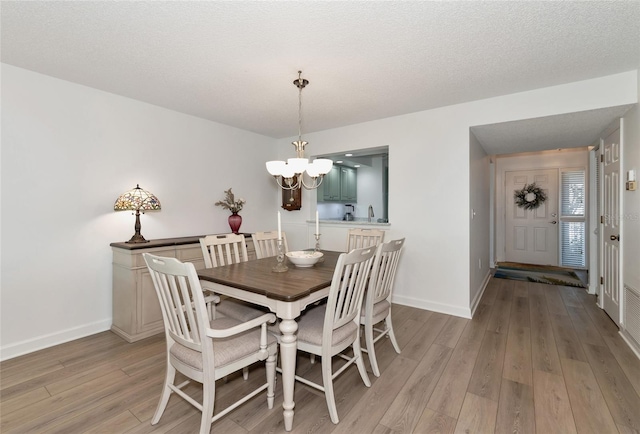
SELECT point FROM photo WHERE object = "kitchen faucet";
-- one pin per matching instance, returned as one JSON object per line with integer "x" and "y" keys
{"x": 370, "y": 213}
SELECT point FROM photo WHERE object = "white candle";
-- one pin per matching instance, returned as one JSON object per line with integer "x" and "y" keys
{"x": 317, "y": 225}
{"x": 279, "y": 227}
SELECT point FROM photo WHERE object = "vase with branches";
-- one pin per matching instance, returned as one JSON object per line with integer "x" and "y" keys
{"x": 235, "y": 206}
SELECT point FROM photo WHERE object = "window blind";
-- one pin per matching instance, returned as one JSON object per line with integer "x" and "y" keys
{"x": 572, "y": 218}
{"x": 573, "y": 193}
{"x": 573, "y": 244}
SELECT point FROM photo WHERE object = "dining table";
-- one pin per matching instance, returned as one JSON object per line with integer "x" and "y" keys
{"x": 286, "y": 294}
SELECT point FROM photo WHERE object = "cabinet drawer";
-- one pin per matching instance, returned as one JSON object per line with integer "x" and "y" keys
{"x": 134, "y": 259}
{"x": 149, "y": 313}
{"x": 189, "y": 253}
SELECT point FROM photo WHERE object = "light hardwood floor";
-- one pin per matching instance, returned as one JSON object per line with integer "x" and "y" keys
{"x": 534, "y": 359}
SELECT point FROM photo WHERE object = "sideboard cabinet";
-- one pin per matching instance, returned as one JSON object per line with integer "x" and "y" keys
{"x": 136, "y": 311}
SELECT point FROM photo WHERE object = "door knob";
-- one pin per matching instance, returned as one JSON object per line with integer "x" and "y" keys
{"x": 615, "y": 237}
{"x": 553, "y": 222}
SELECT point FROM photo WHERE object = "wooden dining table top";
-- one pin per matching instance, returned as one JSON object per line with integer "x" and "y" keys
{"x": 257, "y": 276}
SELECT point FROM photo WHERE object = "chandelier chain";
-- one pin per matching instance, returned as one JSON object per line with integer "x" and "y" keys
{"x": 300, "y": 113}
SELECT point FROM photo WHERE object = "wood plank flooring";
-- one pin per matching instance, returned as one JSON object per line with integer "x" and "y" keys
{"x": 534, "y": 359}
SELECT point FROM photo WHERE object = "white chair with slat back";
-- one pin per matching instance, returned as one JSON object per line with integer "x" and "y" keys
{"x": 226, "y": 249}
{"x": 201, "y": 349}
{"x": 359, "y": 238}
{"x": 377, "y": 304}
{"x": 329, "y": 329}
{"x": 266, "y": 243}
{"x": 356, "y": 239}
{"x": 223, "y": 249}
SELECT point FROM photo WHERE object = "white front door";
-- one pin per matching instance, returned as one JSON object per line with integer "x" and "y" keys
{"x": 611, "y": 226}
{"x": 532, "y": 235}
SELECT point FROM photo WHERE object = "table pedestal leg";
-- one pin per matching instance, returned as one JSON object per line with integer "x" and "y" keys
{"x": 288, "y": 350}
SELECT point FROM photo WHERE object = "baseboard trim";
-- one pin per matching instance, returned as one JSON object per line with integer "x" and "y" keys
{"x": 476, "y": 301}
{"x": 41, "y": 342}
{"x": 448, "y": 309}
{"x": 631, "y": 342}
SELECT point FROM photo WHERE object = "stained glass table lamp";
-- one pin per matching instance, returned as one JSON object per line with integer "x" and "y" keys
{"x": 137, "y": 200}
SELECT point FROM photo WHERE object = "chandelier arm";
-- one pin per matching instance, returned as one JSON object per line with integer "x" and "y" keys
{"x": 315, "y": 185}
{"x": 289, "y": 187}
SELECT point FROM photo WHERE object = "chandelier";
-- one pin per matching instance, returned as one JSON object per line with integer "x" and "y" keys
{"x": 294, "y": 169}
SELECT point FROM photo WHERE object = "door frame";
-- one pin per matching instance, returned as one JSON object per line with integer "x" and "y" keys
{"x": 541, "y": 160}
{"x": 595, "y": 228}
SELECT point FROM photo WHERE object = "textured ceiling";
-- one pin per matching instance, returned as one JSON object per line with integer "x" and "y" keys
{"x": 233, "y": 62}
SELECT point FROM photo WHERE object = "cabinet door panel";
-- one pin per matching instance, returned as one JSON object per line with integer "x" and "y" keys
{"x": 332, "y": 187}
{"x": 348, "y": 183}
{"x": 148, "y": 306}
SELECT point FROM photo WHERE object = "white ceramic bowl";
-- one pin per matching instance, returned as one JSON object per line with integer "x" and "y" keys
{"x": 304, "y": 259}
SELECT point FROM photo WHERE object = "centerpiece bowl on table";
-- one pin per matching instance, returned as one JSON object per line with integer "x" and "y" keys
{"x": 304, "y": 258}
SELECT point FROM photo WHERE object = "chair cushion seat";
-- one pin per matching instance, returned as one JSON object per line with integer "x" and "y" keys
{"x": 226, "y": 350}
{"x": 238, "y": 309}
{"x": 311, "y": 324}
{"x": 380, "y": 311}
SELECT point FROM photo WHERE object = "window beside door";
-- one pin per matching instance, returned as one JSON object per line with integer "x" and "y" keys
{"x": 572, "y": 218}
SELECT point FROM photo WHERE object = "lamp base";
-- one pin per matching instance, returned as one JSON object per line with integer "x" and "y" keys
{"x": 137, "y": 238}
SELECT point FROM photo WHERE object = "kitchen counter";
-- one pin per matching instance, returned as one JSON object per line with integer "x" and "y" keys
{"x": 356, "y": 222}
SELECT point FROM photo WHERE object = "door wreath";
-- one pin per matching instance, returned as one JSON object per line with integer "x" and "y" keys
{"x": 530, "y": 197}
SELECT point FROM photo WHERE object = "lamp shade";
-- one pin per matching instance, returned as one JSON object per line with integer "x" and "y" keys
{"x": 137, "y": 199}
{"x": 275, "y": 168}
{"x": 324, "y": 165}
{"x": 298, "y": 165}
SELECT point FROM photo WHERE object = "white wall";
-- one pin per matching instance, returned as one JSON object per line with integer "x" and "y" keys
{"x": 631, "y": 219}
{"x": 429, "y": 178}
{"x": 479, "y": 223}
{"x": 631, "y": 199}
{"x": 569, "y": 158}
{"x": 68, "y": 152}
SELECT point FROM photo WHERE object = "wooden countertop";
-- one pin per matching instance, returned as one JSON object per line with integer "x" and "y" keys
{"x": 162, "y": 242}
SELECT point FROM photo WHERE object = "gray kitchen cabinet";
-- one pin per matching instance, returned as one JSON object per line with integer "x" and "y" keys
{"x": 339, "y": 185}
{"x": 330, "y": 187}
{"x": 348, "y": 184}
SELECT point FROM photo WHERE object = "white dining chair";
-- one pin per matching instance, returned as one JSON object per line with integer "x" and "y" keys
{"x": 266, "y": 243}
{"x": 358, "y": 238}
{"x": 227, "y": 249}
{"x": 329, "y": 329}
{"x": 223, "y": 249}
{"x": 377, "y": 304}
{"x": 201, "y": 349}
